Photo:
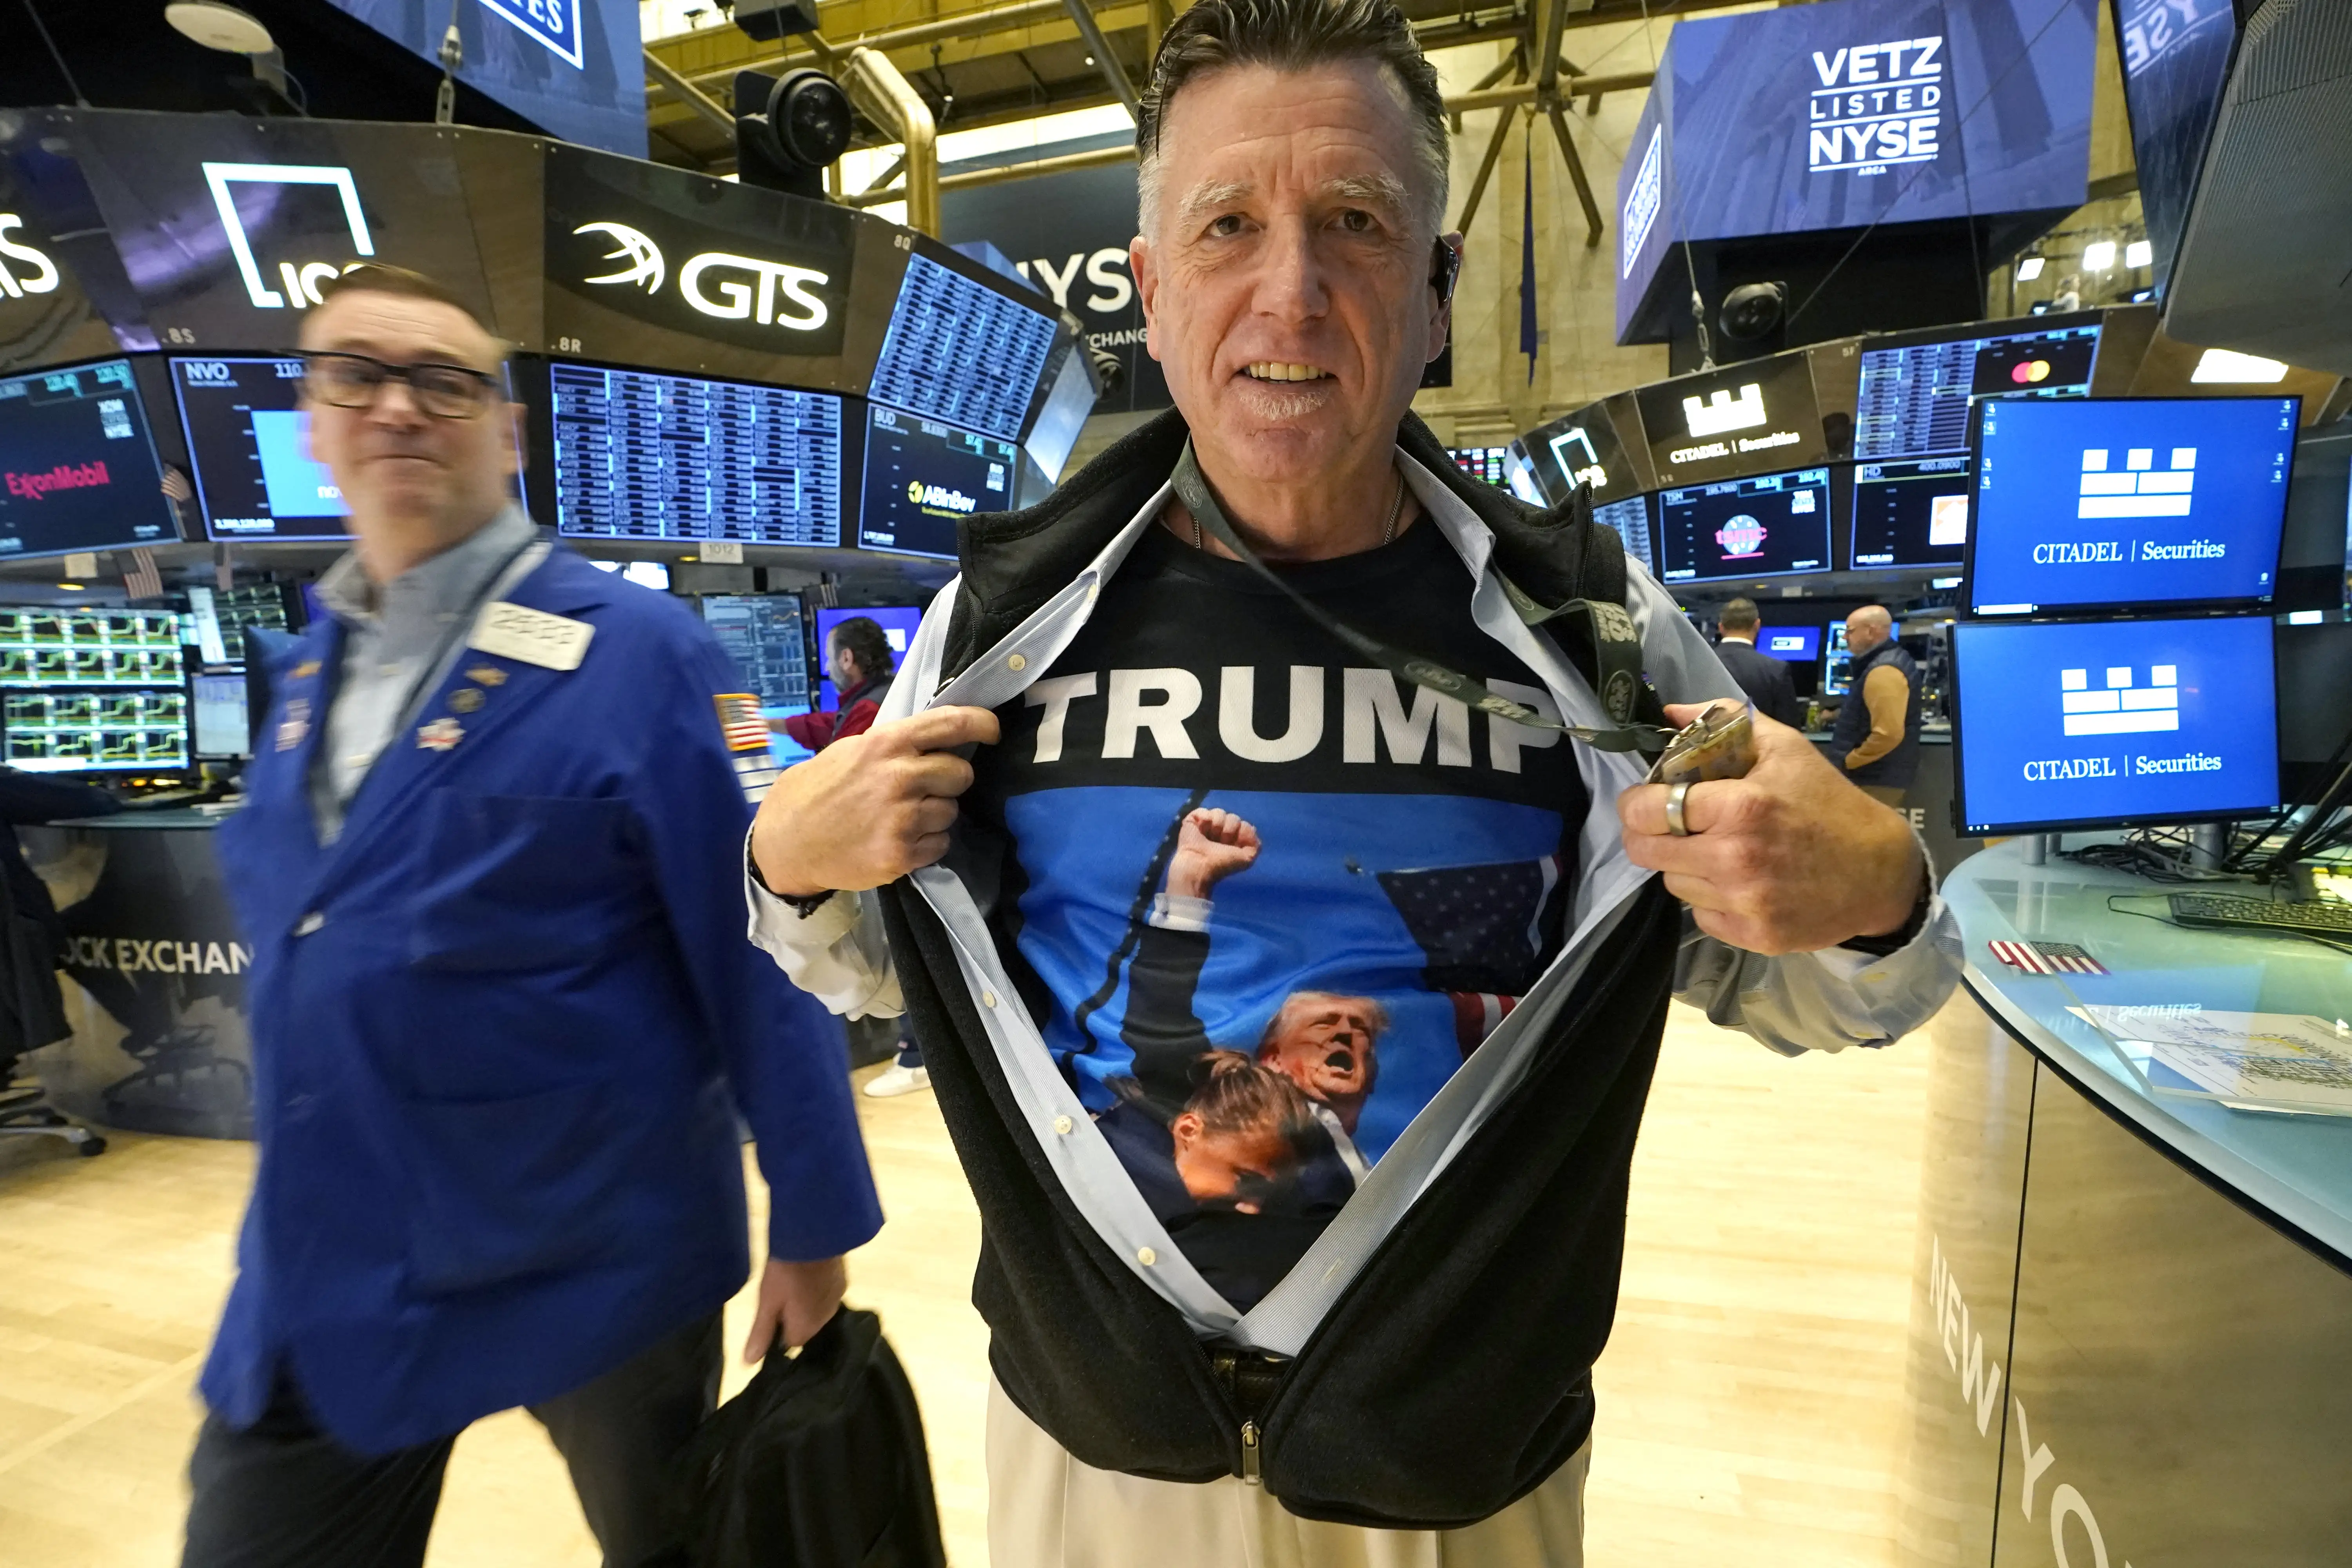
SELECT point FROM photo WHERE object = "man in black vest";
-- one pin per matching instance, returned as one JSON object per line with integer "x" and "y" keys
{"x": 1878, "y": 736}
{"x": 1763, "y": 677}
{"x": 1152, "y": 647}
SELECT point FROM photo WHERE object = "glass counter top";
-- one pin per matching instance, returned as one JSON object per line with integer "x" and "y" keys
{"x": 2138, "y": 1010}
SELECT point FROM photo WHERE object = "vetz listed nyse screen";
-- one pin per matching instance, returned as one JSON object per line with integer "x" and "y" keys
{"x": 77, "y": 470}
{"x": 1761, "y": 527}
{"x": 2115, "y": 721}
{"x": 2129, "y": 501}
{"x": 645, "y": 456}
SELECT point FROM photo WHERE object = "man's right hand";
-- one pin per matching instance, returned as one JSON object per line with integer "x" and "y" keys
{"x": 1211, "y": 847}
{"x": 869, "y": 809}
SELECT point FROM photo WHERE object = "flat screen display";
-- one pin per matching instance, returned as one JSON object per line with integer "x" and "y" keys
{"x": 923, "y": 477}
{"x": 77, "y": 465}
{"x": 220, "y": 725}
{"x": 1797, "y": 644}
{"x": 1630, "y": 519}
{"x": 1756, "y": 417}
{"x": 767, "y": 637}
{"x": 2129, "y": 501}
{"x": 641, "y": 455}
{"x": 1917, "y": 387}
{"x": 1911, "y": 513}
{"x": 961, "y": 352}
{"x": 92, "y": 690}
{"x": 2175, "y": 56}
{"x": 1767, "y": 526}
{"x": 1487, "y": 464}
{"x": 254, "y": 473}
{"x": 899, "y": 622}
{"x": 1837, "y": 663}
{"x": 2114, "y": 724}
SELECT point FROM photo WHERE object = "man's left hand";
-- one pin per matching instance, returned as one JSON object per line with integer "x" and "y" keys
{"x": 796, "y": 1300}
{"x": 1791, "y": 859}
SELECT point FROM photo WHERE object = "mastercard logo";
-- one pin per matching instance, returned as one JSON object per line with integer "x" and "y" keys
{"x": 2031, "y": 372}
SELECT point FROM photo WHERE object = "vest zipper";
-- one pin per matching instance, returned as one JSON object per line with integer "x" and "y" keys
{"x": 1250, "y": 1454}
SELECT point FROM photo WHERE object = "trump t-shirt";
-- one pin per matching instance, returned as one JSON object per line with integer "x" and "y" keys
{"x": 1264, "y": 900}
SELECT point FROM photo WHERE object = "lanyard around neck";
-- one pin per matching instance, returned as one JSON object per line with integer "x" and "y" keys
{"x": 1616, "y": 646}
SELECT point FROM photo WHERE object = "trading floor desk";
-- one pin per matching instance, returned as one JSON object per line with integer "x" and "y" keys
{"x": 2131, "y": 1339}
{"x": 154, "y": 972}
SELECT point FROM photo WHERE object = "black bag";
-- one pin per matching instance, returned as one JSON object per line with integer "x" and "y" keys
{"x": 818, "y": 1463}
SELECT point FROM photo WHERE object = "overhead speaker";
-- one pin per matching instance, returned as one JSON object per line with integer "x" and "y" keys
{"x": 1753, "y": 313}
{"x": 789, "y": 129}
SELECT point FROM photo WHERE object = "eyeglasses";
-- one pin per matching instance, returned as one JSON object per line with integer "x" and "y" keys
{"x": 354, "y": 381}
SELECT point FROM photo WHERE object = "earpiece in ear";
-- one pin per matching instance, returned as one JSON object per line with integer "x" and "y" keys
{"x": 1445, "y": 266}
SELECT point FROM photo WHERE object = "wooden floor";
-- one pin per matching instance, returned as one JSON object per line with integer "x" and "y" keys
{"x": 1750, "y": 1400}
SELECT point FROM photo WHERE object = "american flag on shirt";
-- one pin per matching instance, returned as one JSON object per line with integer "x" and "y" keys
{"x": 2046, "y": 957}
{"x": 740, "y": 721}
{"x": 141, "y": 580}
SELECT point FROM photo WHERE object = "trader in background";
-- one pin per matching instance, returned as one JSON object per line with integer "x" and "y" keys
{"x": 503, "y": 1012}
{"x": 1763, "y": 677}
{"x": 1878, "y": 736}
{"x": 857, "y": 656}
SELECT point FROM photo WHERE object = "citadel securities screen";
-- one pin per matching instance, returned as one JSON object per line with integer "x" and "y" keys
{"x": 1767, "y": 526}
{"x": 78, "y": 468}
{"x": 2129, "y": 501}
{"x": 2116, "y": 722}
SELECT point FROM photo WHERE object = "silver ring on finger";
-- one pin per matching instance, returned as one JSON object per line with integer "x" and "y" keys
{"x": 1675, "y": 821}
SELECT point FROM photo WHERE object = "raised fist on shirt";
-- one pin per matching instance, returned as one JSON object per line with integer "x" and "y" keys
{"x": 1211, "y": 847}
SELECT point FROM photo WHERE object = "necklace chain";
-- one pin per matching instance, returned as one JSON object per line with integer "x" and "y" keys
{"x": 1387, "y": 532}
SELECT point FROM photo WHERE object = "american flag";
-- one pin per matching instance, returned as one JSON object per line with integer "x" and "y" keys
{"x": 740, "y": 721}
{"x": 1481, "y": 927}
{"x": 141, "y": 580}
{"x": 2046, "y": 957}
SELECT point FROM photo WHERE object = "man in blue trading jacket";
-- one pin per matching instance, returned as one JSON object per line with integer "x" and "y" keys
{"x": 500, "y": 997}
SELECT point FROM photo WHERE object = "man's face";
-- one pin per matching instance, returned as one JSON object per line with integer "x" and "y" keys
{"x": 843, "y": 664}
{"x": 1285, "y": 281}
{"x": 394, "y": 463}
{"x": 1861, "y": 634}
{"x": 1325, "y": 1047}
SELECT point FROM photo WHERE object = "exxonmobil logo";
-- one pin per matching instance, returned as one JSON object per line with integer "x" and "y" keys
{"x": 64, "y": 477}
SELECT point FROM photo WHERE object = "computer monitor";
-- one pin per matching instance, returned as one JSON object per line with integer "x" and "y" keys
{"x": 1771, "y": 525}
{"x": 644, "y": 454}
{"x": 2314, "y": 706}
{"x": 1797, "y": 644}
{"x": 93, "y": 690}
{"x": 1917, "y": 388}
{"x": 1837, "y": 663}
{"x": 78, "y": 463}
{"x": 767, "y": 637}
{"x": 1630, "y": 519}
{"x": 898, "y": 622}
{"x": 1487, "y": 464}
{"x": 961, "y": 352}
{"x": 220, "y": 726}
{"x": 2075, "y": 724}
{"x": 1914, "y": 512}
{"x": 923, "y": 477}
{"x": 2125, "y": 502}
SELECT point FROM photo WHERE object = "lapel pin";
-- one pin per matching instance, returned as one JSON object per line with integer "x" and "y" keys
{"x": 294, "y": 725}
{"x": 441, "y": 734}
{"x": 489, "y": 675}
{"x": 465, "y": 700}
{"x": 306, "y": 669}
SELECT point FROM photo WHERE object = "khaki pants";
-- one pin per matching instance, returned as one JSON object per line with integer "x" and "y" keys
{"x": 1046, "y": 1509}
{"x": 1886, "y": 794}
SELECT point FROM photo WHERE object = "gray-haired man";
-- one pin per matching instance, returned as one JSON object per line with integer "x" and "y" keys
{"x": 1404, "y": 1378}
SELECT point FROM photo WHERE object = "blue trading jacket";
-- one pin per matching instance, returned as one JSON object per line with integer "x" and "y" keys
{"x": 496, "y": 1025}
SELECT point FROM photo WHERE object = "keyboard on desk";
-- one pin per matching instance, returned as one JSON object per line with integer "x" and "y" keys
{"x": 2219, "y": 910}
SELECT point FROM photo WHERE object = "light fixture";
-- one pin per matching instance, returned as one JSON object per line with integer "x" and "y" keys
{"x": 219, "y": 26}
{"x": 2305, "y": 617}
{"x": 2229, "y": 365}
{"x": 2098, "y": 255}
{"x": 2030, "y": 268}
{"x": 1943, "y": 582}
{"x": 71, "y": 587}
{"x": 2139, "y": 253}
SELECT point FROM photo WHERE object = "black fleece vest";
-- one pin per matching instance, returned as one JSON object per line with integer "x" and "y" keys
{"x": 1453, "y": 1376}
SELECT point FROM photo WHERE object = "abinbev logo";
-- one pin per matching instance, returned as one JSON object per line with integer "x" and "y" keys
{"x": 300, "y": 280}
{"x": 2120, "y": 708}
{"x": 1724, "y": 412}
{"x": 2139, "y": 488}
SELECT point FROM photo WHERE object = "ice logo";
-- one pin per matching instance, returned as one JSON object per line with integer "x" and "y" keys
{"x": 645, "y": 258}
{"x": 2121, "y": 708}
{"x": 2141, "y": 488}
{"x": 1742, "y": 537}
{"x": 301, "y": 282}
{"x": 1723, "y": 412}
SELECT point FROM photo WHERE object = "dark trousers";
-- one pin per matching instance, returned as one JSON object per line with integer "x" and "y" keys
{"x": 283, "y": 1494}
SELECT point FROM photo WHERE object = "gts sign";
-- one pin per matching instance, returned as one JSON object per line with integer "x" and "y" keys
{"x": 719, "y": 284}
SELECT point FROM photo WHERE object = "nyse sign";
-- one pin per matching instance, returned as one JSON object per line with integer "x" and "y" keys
{"x": 1878, "y": 105}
